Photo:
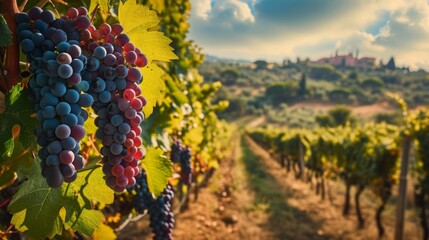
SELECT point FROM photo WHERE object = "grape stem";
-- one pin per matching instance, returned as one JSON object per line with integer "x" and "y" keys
{"x": 94, "y": 12}
{"x": 129, "y": 220}
{"x": 9, "y": 9}
{"x": 55, "y": 8}
{"x": 42, "y": 3}
{"x": 5, "y": 202}
{"x": 22, "y": 6}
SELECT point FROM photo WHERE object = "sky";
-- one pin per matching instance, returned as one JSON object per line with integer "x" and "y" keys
{"x": 274, "y": 30}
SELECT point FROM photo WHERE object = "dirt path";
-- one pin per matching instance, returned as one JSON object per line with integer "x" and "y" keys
{"x": 224, "y": 209}
{"x": 251, "y": 197}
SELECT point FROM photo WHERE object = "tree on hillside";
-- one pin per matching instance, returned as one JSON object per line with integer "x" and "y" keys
{"x": 229, "y": 76}
{"x": 391, "y": 64}
{"x": 302, "y": 90}
{"x": 261, "y": 64}
{"x": 281, "y": 92}
{"x": 338, "y": 116}
{"x": 327, "y": 72}
{"x": 372, "y": 83}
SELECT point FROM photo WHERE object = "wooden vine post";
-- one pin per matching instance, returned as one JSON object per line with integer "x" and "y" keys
{"x": 402, "y": 192}
{"x": 11, "y": 74}
{"x": 301, "y": 160}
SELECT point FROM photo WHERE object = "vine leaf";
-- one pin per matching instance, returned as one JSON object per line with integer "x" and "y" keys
{"x": 5, "y": 32}
{"x": 104, "y": 232}
{"x": 152, "y": 92}
{"x": 40, "y": 204}
{"x": 137, "y": 19}
{"x": 158, "y": 169}
{"x": 18, "y": 111}
{"x": 103, "y": 4}
{"x": 92, "y": 187}
{"x": 41, "y": 211}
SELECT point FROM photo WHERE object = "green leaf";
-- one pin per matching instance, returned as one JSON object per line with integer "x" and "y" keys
{"x": 8, "y": 144}
{"x": 37, "y": 207}
{"x": 18, "y": 111}
{"x": 103, "y": 4}
{"x": 86, "y": 221}
{"x": 7, "y": 178}
{"x": 137, "y": 19}
{"x": 5, "y": 33}
{"x": 91, "y": 185}
{"x": 178, "y": 96}
{"x": 152, "y": 87}
{"x": 41, "y": 205}
{"x": 158, "y": 169}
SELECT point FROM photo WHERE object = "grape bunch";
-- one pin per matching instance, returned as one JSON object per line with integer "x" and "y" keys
{"x": 142, "y": 198}
{"x": 56, "y": 88}
{"x": 114, "y": 76}
{"x": 182, "y": 155}
{"x": 176, "y": 149}
{"x": 161, "y": 216}
{"x": 185, "y": 164}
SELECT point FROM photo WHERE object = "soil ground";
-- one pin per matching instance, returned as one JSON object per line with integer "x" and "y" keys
{"x": 251, "y": 197}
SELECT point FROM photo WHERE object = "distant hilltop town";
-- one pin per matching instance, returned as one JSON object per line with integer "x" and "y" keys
{"x": 347, "y": 61}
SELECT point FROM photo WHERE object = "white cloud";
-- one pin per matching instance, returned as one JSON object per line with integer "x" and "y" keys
{"x": 201, "y": 8}
{"x": 273, "y": 29}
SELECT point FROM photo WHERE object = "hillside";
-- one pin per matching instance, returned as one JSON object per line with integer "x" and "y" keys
{"x": 307, "y": 89}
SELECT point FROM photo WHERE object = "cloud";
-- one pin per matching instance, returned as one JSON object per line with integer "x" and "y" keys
{"x": 274, "y": 30}
{"x": 201, "y": 8}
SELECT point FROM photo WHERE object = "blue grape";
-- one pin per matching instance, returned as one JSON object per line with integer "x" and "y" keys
{"x": 59, "y": 36}
{"x": 55, "y": 147}
{"x": 77, "y": 65}
{"x": 34, "y": 13}
{"x": 49, "y": 112}
{"x": 62, "y": 47}
{"x": 51, "y": 68}
{"x": 47, "y": 16}
{"x": 27, "y": 45}
{"x": 59, "y": 89}
{"x": 40, "y": 25}
{"x": 70, "y": 119}
{"x": 117, "y": 120}
{"x": 22, "y": 17}
{"x": 68, "y": 143}
{"x": 100, "y": 52}
{"x": 26, "y": 34}
{"x": 53, "y": 160}
{"x": 65, "y": 71}
{"x": 71, "y": 96}
{"x": 86, "y": 100}
{"x": 63, "y": 108}
{"x": 105, "y": 97}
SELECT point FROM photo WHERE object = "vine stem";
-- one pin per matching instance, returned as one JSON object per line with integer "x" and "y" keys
{"x": 94, "y": 13}
{"x": 5, "y": 201}
{"x": 9, "y": 10}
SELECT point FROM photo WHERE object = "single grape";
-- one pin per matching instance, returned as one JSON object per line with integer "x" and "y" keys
{"x": 63, "y": 108}
{"x": 117, "y": 29}
{"x": 54, "y": 178}
{"x": 27, "y": 45}
{"x": 72, "y": 13}
{"x": 62, "y": 131}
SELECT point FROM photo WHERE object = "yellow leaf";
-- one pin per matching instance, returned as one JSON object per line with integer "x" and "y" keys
{"x": 137, "y": 19}
{"x": 152, "y": 86}
{"x": 104, "y": 232}
{"x": 103, "y": 4}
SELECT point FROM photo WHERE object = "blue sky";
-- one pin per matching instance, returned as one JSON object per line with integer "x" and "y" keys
{"x": 279, "y": 29}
